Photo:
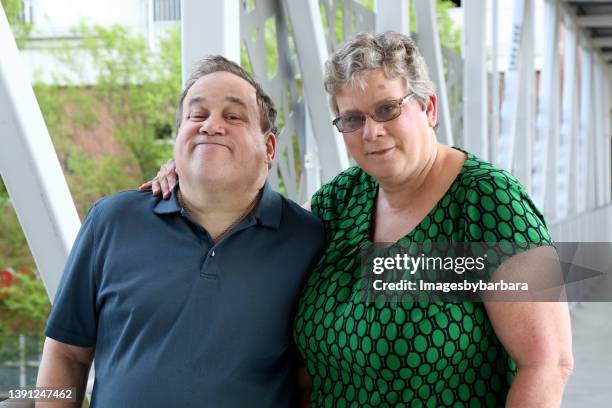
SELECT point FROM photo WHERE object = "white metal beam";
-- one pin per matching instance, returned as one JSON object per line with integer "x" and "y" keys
{"x": 569, "y": 121}
{"x": 30, "y": 168}
{"x": 312, "y": 53}
{"x": 475, "y": 101}
{"x": 429, "y": 44}
{"x": 597, "y": 20}
{"x": 504, "y": 145}
{"x": 582, "y": 141}
{"x": 602, "y": 42}
{"x": 526, "y": 103}
{"x": 513, "y": 147}
{"x": 598, "y": 133}
{"x": 494, "y": 125}
{"x": 219, "y": 34}
{"x": 392, "y": 15}
{"x": 547, "y": 134}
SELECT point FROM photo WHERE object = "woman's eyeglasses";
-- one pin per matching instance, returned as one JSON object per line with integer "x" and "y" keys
{"x": 350, "y": 122}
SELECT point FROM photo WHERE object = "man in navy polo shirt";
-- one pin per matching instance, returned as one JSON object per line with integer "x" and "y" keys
{"x": 189, "y": 302}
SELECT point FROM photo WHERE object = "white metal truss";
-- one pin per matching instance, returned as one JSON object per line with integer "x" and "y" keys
{"x": 494, "y": 123}
{"x": 598, "y": 133}
{"x": 218, "y": 34}
{"x": 583, "y": 136}
{"x": 513, "y": 146}
{"x": 312, "y": 54}
{"x": 429, "y": 44}
{"x": 475, "y": 101}
{"x": 392, "y": 15}
{"x": 607, "y": 133}
{"x": 569, "y": 122}
{"x": 30, "y": 168}
{"x": 547, "y": 122}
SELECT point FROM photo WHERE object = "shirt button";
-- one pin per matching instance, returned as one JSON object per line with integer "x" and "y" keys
{"x": 212, "y": 253}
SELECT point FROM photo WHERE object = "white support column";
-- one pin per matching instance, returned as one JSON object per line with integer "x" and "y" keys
{"x": 219, "y": 34}
{"x": 547, "y": 134}
{"x": 513, "y": 146}
{"x": 475, "y": 101}
{"x": 526, "y": 103}
{"x": 31, "y": 170}
{"x": 312, "y": 167}
{"x": 392, "y": 15}
{"x": 582, "y": 141}
{"x": 312, "y": 54}
{"x": 569, "y": 121}
{"x": 494, "y": 125}
{"x": 607, "y": 135}
{"x": 598, "y": 130}
{"x": 429, "y": 44}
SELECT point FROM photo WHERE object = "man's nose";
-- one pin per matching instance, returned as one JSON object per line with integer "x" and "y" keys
{"x": 372, "y": 129}
{"x": 213, "y": 125}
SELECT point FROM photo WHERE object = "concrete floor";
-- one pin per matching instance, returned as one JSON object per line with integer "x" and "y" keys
{"x": 591, "y": 383}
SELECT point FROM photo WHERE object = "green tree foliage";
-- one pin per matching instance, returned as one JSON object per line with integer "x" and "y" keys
{"x": 131, "y": 91}
{"x": 110, "y": 85}
{"x": 13, "y": 10}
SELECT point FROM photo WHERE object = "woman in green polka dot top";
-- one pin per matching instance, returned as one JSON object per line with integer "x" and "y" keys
{"x": 410, "y": 188}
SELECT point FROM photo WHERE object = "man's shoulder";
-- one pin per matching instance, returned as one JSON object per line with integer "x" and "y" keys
{"x": 114, "y": 207}
{"x": 293, "y": 212}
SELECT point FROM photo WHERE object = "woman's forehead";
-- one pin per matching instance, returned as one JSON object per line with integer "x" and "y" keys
{"x": 371, "y": 87}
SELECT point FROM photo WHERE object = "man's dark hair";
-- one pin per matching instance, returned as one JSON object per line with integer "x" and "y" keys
{"x": 218, "y": 63}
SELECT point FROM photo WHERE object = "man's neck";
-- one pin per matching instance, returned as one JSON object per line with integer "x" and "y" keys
{"x": 219, "y": 209}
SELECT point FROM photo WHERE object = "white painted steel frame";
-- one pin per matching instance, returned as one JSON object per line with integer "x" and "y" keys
{"x": 569, "y": 122}
{"x": 475, "y": 101}
{"x": 429, "y": 44}
{"x": 547, "y": 123}
{"x": 217, "y": 34}
{"x": 392, "y": 15}
{"x": 599, "y": 136}
{"x": 583, "y": 136}
{"x": 312, "y": 53}
{"x": 30, "y": 168}
{"x": 495, "y": 99}
{"x": 514, "y": 144}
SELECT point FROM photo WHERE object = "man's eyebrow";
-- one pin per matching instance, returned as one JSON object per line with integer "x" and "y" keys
{"x": 237, "y": 101}
{"x": 195, "y": 101}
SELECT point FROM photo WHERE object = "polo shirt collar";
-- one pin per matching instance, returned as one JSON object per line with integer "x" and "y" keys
{"x": 268, "y": 211}
{"x": 168, "y": 206}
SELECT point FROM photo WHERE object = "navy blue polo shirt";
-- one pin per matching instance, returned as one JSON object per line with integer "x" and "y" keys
{"x": 178, "y": 320}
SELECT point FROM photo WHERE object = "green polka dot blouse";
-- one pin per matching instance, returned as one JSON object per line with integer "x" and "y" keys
{"x": 408, "y": 354}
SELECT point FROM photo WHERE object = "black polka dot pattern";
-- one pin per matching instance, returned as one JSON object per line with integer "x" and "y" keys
{"x": 408, "y": 354}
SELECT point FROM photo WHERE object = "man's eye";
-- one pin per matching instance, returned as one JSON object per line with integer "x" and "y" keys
{"x": 233, "y": 117}
{"x": 196, "y": 116}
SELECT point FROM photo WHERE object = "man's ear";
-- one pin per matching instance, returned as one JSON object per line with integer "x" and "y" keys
{"x": 270, "y": 148}
{"x": 432, "y": 111}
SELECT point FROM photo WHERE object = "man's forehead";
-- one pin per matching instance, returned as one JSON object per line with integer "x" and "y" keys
{"x": 222, "y": 84}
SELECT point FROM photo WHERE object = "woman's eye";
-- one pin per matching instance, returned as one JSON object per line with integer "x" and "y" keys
{"x": 351, "y": 118}
{"x": 384, "y": 109}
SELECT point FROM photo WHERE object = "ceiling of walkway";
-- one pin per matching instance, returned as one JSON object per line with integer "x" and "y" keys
{"x": 596, "y": 17}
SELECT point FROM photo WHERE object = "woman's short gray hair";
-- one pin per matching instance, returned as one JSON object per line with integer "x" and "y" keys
{"x": 395, "y": 53}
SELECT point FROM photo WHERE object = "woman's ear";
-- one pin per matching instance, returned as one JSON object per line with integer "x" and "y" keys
{"x": 432, "y": 111}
